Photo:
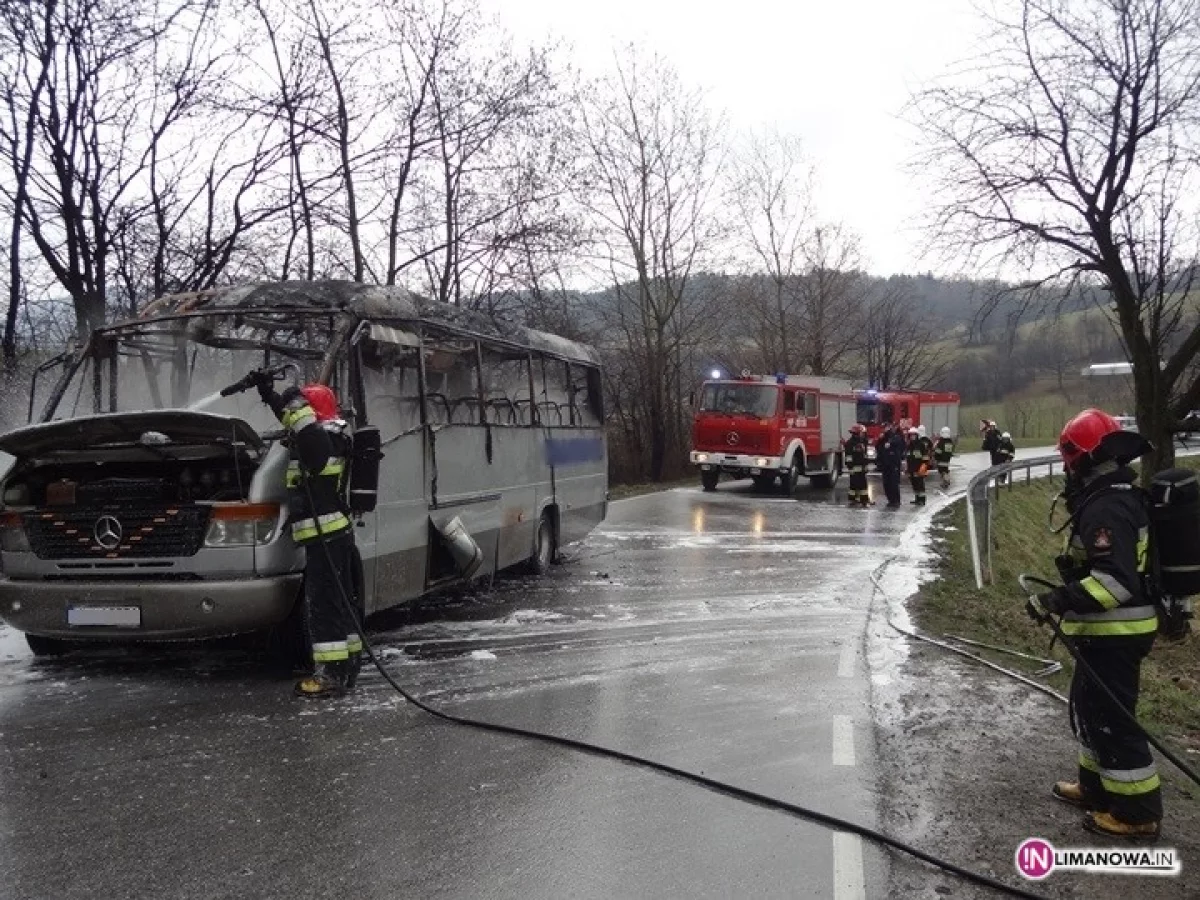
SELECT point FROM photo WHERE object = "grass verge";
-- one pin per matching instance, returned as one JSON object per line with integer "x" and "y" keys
{"x": 1170, "y": 699}
{"x": 624, "y": 491}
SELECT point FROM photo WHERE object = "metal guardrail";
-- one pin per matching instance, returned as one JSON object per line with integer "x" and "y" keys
{"x": 980, "y": 501}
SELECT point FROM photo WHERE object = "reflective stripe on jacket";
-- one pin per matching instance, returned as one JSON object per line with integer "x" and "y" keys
{"x": 1110, "y": 538}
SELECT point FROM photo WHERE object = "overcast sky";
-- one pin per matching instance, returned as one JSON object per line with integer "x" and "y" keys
{"x": 836, "y": 73}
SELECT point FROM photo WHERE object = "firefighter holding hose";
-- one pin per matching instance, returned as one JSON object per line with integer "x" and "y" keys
{"x": 1107, "y": 613}
{"x": 320, "y": 449}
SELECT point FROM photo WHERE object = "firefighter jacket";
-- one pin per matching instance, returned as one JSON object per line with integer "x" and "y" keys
{"x": 891, "y": 452}
{"x": 317, "y": 470}
{"x": 943, "y": 451}
{"x": 918, "y": 456}
{"x": 1006, "y": 449}
{"x": 1106, "y": 559}
{"x": 856, "y": 454}
{"x": 991, "y": 443}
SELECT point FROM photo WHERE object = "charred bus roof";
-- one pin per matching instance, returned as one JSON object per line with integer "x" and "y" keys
{"x": 280, "y": 301}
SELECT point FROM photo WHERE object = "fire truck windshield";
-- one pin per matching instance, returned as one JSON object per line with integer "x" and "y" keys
{"x": 740, "y": 399}
{"x": 872, "y": 412}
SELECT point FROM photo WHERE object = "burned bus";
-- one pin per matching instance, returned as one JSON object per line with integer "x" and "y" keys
{"x": 149, "y": 503}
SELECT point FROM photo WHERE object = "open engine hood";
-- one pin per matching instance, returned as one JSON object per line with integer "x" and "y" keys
{"x": 180, "y": 428}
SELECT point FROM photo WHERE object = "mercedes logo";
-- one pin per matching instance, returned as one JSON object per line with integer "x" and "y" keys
{"x": 107, "y": 532}
{"x": 732, "y": 438}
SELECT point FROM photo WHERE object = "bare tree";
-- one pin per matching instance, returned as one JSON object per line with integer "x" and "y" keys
{"x": 832, "y": 294}
{"x": 772, "y": 192}
{"x": 898, "y": 345}
{"x": 653, "y": 163}
{"x": 1075, "y": 154}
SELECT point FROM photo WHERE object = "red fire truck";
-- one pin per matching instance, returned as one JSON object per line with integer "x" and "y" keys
{"x": 779, "y": 428}
{"x": 907, "y": 409}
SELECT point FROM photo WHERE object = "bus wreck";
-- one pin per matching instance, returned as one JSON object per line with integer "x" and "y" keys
{"x": 147, "y": 505}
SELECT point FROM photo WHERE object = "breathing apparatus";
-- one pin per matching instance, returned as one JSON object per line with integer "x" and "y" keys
{"x": 1172, "y": 507}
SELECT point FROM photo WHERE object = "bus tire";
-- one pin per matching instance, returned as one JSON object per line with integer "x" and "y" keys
{"x": 544, "y": 549}
{"x": 709, "y": 479}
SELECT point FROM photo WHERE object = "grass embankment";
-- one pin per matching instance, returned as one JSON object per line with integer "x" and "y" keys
{"x": 1170, "y": 699}
{"x": 624, "y": 491}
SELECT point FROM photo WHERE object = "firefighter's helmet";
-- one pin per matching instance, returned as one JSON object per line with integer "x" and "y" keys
{"x": 913, "y": 431}
{"x": 1006, "y": 436}
{"x": 857, "y": 428}
{"x": 921, "y": 430}
{"x": 322, "y": 400}
{"x": 1082, "y": 436}
{"x": 945, "y": 432}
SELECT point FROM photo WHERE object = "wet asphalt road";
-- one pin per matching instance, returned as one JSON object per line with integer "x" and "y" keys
{"x": 723, "y": 633}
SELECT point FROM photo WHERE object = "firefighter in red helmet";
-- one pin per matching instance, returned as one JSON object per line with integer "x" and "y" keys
{"x": 316, "y": 474}
{"x": 1106, "y": 611}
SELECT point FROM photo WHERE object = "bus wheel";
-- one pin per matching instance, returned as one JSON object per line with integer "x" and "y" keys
{"x": 709, "y": 479}
{"x": 543, "y": 548}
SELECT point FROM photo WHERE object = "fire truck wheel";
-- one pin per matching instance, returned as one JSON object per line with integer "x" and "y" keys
{"x": 709, "y": 479}
{"x": 791, "y": 480}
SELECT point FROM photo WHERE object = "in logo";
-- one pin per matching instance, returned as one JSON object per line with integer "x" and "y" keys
{"x": 108, "y": 532}
{"x": 1035, "y": 858}
{"x": 732, "y": 438}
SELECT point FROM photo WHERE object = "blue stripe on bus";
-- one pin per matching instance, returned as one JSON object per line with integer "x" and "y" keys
{"x": 574, "y": 451}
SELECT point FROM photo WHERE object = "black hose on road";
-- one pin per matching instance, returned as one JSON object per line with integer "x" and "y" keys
{"x": 712, "y": 784}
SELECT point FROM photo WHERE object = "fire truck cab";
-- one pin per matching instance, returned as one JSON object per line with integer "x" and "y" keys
{"x": 772, "y": 429}
{"x": 906, "y": 409}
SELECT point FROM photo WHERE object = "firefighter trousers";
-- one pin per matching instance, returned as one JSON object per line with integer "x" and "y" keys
{"x": 329, "y": 584}
{"x": 858, "y": 485}
{"x": 1116, "y": 770}
{"x": 918, "y": 486}
{"x": 891, "y": 485}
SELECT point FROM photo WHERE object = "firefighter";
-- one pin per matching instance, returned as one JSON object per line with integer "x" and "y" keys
{"x": 1106, "y": 612}
{"x": 318, "y": 517}
{"x": 1006, "y": 451}
{"x": 856, "y": 466}
{"x": 918, "y": 465}
{"x": 991, "y": 440}
{"x": 889, "y": 454}
{"x": 943, "y": 452}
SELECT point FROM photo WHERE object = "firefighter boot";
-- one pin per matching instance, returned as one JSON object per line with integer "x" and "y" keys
{"x": 353, "y": 667}
{"x": 327, "y": 680}
{"x": 1107, "y": 824}
{"x": 1072, "y": 792}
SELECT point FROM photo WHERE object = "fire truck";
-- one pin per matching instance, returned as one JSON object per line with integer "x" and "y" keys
{"x": 907, "y": 409}
{"x": 772, "y": 429}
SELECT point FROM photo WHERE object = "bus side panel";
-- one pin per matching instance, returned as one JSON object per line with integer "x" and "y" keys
{"x": 580, "y": 460}
{"x": 401, "y": 523}
{"x": 497, "y": 500}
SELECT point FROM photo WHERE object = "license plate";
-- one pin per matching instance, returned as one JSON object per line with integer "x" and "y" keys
{"x": 112, "y": 616}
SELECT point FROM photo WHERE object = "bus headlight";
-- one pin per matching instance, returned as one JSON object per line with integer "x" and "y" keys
{"x": 13, "y": 538}
{"x": 242, "y": 524}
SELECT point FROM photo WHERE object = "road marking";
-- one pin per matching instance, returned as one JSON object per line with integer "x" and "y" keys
{"x": 849, "y": 882}
{"x": 846, "y": 661}
{"x": 843, "y": 741}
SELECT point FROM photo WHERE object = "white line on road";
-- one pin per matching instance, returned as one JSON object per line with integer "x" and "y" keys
{"x": 843, "y": 741}
{"x": 848, "y": 880}
{"x": 846, "y": 661}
